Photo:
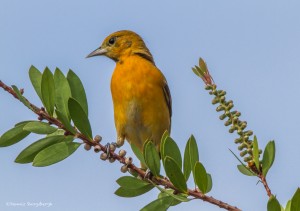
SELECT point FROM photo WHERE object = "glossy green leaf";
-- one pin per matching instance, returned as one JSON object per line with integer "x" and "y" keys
{"x": 209, "y": 183}
{"x": 175, "y": 175}
{"x": 186, "y": 161}
{"x": 48, "y": 91}
{"x": 124, "y": 192}
{"x": 36, "y": 80}
{"x": 28, "y": 154}
{"x": 244, "y": 170}
{"x": 179, "y": 196}
{"x": 138, "y": 153}
{"x": 162, "y": 143}
{"x": 200, "y": 177}
{"x": 295, "y": 202}
{"x": 288, "y": 205}
{"x": 77, "y": 90}
{"x": 160, "y": 204}
{"x": 151, "y": 157}
{"x": 13, "y": 136}
{"x": 80, "y": 118}
{"x": 62, "y": 93}
{"x": 129, "y": 182}
{"x": 273, "y": 204}
{"x": 268, "y": 157}
{"x": 21, "y": 97}
{"x": 55, "y": 153}
{"x": 193, "y": 151}
{"x": 39, "y": 127}
{"x": 65, "y": 122}
{"x": 23, "y": 122}
{"x": 256, "y": 153}
{"x": 163, "y": 194}
{"x": 171, "y": 149}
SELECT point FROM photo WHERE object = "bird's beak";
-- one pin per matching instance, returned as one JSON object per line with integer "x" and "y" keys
{"x": 98, "y": 52}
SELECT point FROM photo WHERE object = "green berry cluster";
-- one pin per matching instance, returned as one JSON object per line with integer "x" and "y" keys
{"x": 231, "y": 118}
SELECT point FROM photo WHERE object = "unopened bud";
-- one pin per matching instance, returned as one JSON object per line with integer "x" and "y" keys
{"x": 247, "y": 159}
{"x": 228, "y": 122}
{"x": 231, "y": 129}
{"x": 222, "y": 117}
{"x": 238, "y": 140}
{"x": 97, "y": 148}
{"x": 112, "y": 147}
{"x": 215, "y": 101}
{"x": 103, "y": 156}
{"x": 97, "y": 138}
{"x": 243, "y": 153}
{"x": 111, "y": 159}
{"x": 222, "y": 98}
{"x": 87, "y": 147}
{"x": 242, "y": 146}
{"x": 128, "y": 160}
{"x": 122, "y": 153}
{"x": 208, "y": 87}
{"x": 219, "y": 108}
{"x": 124, "y": 169}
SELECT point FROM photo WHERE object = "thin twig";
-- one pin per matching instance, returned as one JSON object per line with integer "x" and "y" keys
{"x": 157, "y": 180}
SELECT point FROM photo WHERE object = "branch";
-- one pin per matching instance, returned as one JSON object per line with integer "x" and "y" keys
{"x": 43, "y": 115}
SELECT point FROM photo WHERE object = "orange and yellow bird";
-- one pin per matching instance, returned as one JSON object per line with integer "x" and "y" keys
{"x": 140, "y": 93}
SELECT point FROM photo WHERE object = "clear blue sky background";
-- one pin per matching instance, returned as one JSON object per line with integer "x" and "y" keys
{"x": 251, "y": 47}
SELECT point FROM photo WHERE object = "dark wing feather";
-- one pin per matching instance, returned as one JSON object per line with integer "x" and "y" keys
{"x": 168, "y": 98}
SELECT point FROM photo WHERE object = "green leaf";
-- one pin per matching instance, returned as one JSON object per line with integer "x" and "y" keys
{"x": 80, "y": 118}
{"x": 151, "y": 157}
{"x": 187, "y": 162}
{"x": 129, "y": 182}
{"x": 13, "y": 136}
{"x": 239, "y": 168}
{"x": 288, "y": 205}
{"x": 28, "y": 154}
{"x": 77, "y": 90}
{"x": 21, "y": 97}
{"x": 200, "y": 177}
{"x": 209, "y": 183}
{"x": 160, "y": 204}
{"x": 62, "y": 93}
{"x": 163, "y": 194}
{"x": 171, "y": 149}
{"x": 193, "y": 151}
{"x": 244, "y": 170}
{"x": 295, "y": 202}
{"x": 23, "y": 122}
{"x": 48, "y": 91}
{"x": 273, "y": 204}
{"x": 36, "y": 80}
{"x": 256, "y": 153}
{"x": 175, "y": 175}
{"x": 179, "y": 197}
{"x": 268, "y": 157}
{"x": 124, "y": 192}
{"x": 65, "y": 122}
{"x": 39, "y": 127}
{"x": 138, "y": 153}
{"x": 162, "y": 143}
{"x": 55, "y": 153}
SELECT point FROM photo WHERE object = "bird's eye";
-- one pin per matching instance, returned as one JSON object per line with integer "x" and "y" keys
{"x": 112, "y": 40}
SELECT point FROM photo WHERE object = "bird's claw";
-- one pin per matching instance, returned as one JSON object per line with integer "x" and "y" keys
{"x": 148, "y": 174}
{"x": 110, "y": 147}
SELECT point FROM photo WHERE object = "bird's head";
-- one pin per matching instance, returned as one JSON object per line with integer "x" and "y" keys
{"x": 122, "y": 44}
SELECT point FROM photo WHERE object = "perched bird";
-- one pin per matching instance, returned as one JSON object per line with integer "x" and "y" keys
{"x": 140, "y": 93}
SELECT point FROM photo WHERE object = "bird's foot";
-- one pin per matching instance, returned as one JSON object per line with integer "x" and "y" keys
{"x": 148, "y": 174}
{"x": 110, "y": 147}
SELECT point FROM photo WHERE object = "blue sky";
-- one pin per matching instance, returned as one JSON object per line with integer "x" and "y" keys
{"x": 252, "y": 49}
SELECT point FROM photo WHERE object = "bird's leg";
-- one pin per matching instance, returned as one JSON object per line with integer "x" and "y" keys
{"x": 113, "y": 145}
{"x": 148, "y": 174}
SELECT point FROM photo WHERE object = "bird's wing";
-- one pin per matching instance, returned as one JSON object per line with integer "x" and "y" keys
{"x": 168, "y": 98}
